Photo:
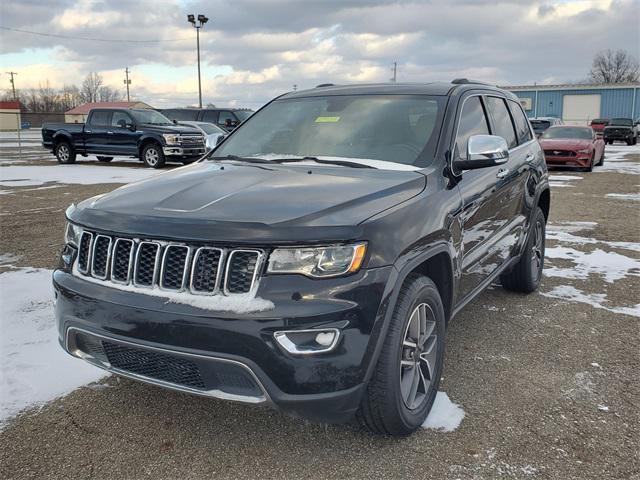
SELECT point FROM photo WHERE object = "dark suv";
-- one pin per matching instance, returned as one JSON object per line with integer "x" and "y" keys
{"x": 313, "y": 260}
{"x": 227, "y": 118}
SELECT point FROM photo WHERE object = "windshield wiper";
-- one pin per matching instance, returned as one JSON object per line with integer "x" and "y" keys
{"x": 241, "y": 159}
{"x": 343, "y": 163}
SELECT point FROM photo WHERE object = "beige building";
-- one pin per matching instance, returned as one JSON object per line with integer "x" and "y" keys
{"x": 79, "y": 113}
{"x": 10, "y": 118}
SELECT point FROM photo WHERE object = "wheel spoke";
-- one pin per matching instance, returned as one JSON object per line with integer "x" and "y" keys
{"x": 428, "y": 357}
{"x": 406, "y": 383}
{"x": 409, "y": 343}
{"x": 414, "y": 324}
{"x": 415, "y": 382}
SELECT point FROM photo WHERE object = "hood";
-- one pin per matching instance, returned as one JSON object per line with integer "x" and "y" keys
{"x": 250, "y": 203}
{"x": 168, "y": 128}
{"x": 621, "y": 127}
{"x": 564, "y": 143}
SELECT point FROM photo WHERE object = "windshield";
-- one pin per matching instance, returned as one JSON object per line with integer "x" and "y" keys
{"x": 569, "y": 132}
{"x": 150, "y": 117}
{"x": 621, "y": 121}
{"x": 395, "y": 128}
{"x": 243, "y": 114}
{"x": 210, "y": 128}
{"x": 540, "y": 125}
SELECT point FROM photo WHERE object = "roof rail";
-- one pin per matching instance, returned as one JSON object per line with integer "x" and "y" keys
{"x": 325, "y": 85}
{"x": 463, "y": 81}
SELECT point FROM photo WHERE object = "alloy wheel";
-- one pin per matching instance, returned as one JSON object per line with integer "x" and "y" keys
{"x": 63, "y": 153}
{"x": 536, "y": 252}
{"x": 151, "y": 157}
{"x": 418, "y": 356}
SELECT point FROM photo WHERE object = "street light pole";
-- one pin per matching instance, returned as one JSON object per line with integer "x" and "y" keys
{"x": 201, "y": 21}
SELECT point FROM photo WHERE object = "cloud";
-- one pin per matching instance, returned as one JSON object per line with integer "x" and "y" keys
{"x": 253, "y": 50}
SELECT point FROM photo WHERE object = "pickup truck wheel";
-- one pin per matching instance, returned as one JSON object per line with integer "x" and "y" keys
{"x": 152, "y": 156}
{"x": 525, "y": 276}
{"x": 601, "y": 162}
{"x": 65, "y": 153}
{"x": 104, "y": 159}
{"x": 403, "y": 388}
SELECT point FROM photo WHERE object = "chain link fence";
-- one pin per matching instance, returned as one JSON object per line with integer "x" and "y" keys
{"x": 20, "y": 137}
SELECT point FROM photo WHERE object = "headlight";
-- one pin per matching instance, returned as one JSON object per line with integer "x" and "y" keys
{"x": 584, "y": 150}
{"x": 318, "y": 262}
{"x": 171, "y": 138}
{"x": 72, "y": 234}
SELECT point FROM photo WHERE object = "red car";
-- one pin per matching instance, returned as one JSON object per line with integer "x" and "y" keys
{"x": 572, "y": 147}
{"x": 598, "y": 124}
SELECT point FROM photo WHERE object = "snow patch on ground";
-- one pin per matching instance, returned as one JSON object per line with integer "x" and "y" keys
{"x": 624, "y": 196}
{"x": 616, "y": 160}
{"x": 445, "y": 416}
{"x": 23, "y": 176}
{"x": 611, "y": 265}
{"x": 596, "y": 300}
{"x": 33, "y": 368}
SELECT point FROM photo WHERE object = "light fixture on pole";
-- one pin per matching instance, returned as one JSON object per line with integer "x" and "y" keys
{"x": 201, "y": 21}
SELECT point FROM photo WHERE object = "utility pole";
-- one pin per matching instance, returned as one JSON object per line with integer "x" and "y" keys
{"x": 127, "y": 82}
{"x": 202, "y": 20}
{"x": 395, "y": 72}
{"x": 13, "y": 85}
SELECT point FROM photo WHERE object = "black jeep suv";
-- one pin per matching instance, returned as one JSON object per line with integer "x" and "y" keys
{"x": 313, "y": 260}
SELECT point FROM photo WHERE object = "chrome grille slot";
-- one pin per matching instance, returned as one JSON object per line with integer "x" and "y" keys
{"x": 174, "y": 267}
{"x": 84, "y": 252}
{"x": 101, "y": 256}
{"x": 147, "y": 259}
{"x": 242, "y": 269}
{"x": 206, "y": 270}
{"x": 122, "y": 260}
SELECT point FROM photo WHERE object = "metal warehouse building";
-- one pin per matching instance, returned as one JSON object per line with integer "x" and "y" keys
{"x": 578, "y": 104}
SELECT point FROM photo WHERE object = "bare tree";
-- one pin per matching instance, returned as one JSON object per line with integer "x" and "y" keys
{"x": 91, "y": 87}
{"x": 614, "y": 67}
{"x": 69, "y": 97}
{"x": 109, "y": 94}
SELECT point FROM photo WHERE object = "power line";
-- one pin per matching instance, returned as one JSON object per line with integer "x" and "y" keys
{"x": 91, "y": 39}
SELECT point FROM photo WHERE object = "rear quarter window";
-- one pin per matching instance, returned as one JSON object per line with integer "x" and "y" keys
{"x": 99, "y": 119}
{"x": 522, "y": 122}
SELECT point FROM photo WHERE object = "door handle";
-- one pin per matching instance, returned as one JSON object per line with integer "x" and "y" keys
{"x": 529, "y": 157}
{"x": 109, "y": 132}
{"x": 503, "y": 172}
{"x": 87, "y": 131}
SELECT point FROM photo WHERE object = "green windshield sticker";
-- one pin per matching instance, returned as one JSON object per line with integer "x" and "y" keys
{"x": 327, "y": 119}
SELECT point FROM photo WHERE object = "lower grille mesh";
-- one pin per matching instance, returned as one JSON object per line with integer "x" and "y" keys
{"x": 154, "y": 365}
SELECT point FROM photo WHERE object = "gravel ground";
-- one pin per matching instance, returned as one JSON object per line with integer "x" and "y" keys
{"x": 533, "y": 374}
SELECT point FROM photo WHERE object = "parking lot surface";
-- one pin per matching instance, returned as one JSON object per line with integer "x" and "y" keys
{"x": 548, "y": 382}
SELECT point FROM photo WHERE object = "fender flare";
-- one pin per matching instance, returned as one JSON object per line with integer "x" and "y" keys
{"x": 390, "y": 298}
{"x": 55, "y": 138}
{"x": 147, "y": 139}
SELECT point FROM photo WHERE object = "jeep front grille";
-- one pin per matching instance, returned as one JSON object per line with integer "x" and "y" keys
{"x": 200, "y": 270}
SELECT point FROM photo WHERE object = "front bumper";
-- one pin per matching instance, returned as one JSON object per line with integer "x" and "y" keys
{"x": 581, "y": 160}
{"x": 235, "y": 355}
{"x": 180, "y": 151}
{"x": 625, "y": 136}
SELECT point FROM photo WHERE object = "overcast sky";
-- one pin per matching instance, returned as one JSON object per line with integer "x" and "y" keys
{"x": 253, "y": 50}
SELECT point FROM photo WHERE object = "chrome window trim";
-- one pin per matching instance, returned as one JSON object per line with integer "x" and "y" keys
{"x": 184, "y": 269}
{"x": 155, "y": 265}
{"x": 256, "y": 272}
{"x": 132, "y": 256}
{"x": 108, "y": 262}
{"x": 87, "y": 270}
{"x": 76, "y": 352}
{"x": 222, "y": 259}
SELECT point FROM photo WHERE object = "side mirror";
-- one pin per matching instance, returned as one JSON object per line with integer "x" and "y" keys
{"x": 130, "y": 126}
{"x": 484, "y": 151}
{"x": 175, "y": 122}
{"x": 220, "y": 139}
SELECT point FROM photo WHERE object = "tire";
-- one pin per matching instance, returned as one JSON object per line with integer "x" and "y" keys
{"x": 526, "y": 274}
{"x": 601, "y": 162}
{"x": 387, "y": 407}
{"x": 65, "y": 154}
{"x": 591, "y": 162}
{"x": 104, "y": 159}
{"x": 152, "y": 156}
{"x": 630, "y": 142}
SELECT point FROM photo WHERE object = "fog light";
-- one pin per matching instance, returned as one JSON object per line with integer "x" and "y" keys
{"x": 308, "y": 342}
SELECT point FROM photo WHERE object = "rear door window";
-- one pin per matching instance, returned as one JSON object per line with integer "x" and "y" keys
{"x": 101, "y": 118}
{"x": 210, "y": 116}
{"x": 473, "y": 121}
{"x": 522, "y": 123}
{"x": 502, "y": 120}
